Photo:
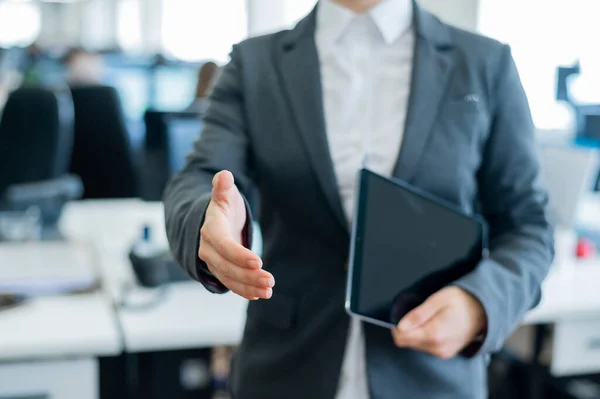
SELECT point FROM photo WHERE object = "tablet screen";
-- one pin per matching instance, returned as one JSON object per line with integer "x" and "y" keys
{"x": 406, "y": 246}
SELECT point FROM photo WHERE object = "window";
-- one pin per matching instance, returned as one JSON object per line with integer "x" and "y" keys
{"x": 544, "y": 35}
{"x": 295, "y": 10}
{"x": 200, "y": 30}
{"x": 20, "y": 23}
{"x": 268, "y": 16}
{"x": 96, "y": 32}
{"x": 129, "y": 26}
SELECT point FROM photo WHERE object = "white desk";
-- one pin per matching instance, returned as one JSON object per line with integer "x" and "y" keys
{"x": 50, "y": 344}
{"x": 571, "y": 291}
{"x": 63, "y": 326}
{"x": 569, "y": 294}
{"x": 83, "y": 327}
{"x": 571, "y": 302}
{"x": 56, "y": 379}
{"x": 187, "y": 317}
{"x": 191, "y": 317}
{"x": 112, "y": 227}
{"x": 55, "y": 326}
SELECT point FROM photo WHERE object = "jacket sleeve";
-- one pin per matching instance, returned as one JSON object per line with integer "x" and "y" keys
{"x": 223, "y": 144}
{"x": 508, "y": 282}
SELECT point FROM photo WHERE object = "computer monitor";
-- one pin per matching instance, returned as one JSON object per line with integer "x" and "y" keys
{"x": 568, "y": 172}
{"x": 182, "y": 133}
{"x": 169, "y": 139}
{"x": 174, "y": 87}
{"x": 133, "y": 85}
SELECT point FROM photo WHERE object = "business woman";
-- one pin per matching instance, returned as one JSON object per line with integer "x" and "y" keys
{"x": 295, "y": 115}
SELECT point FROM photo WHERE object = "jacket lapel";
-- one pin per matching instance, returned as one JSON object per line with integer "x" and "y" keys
{"x": 299, "y": 72}
{"x": 432, "y": 68}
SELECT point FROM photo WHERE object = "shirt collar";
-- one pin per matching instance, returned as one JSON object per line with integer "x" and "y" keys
{"x": 332, "y": 21}
{"x": 392, "y": 18}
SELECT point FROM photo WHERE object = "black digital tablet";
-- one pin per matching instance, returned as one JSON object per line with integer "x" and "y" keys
{"x": 406, "y": 245}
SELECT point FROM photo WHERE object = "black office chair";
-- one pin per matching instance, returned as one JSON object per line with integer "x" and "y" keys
{"x": 36, "y": 136}
{"x": 102, "y": 154}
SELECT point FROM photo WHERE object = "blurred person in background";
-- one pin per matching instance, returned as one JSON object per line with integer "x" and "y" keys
{"x": 381, "y": 83}
{"x": 30, "y": 68}
{"x": 84, "y": 67}
{"x": 207, "y": 76}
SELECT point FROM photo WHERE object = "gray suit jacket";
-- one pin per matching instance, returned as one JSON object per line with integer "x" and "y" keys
{"x": 468, "y": 139}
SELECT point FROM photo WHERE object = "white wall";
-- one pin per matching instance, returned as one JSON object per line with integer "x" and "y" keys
{"x": 460, "y": 13}
{"x": 265, "y": 16}
{"x": 152, "y": 24}
{"x": 65, "y": 23}
{"x": 90, "y": 23}
{"x": 48, "y": 34}
{"x": 272, "y": 15}
{"x": 61, "y": 24}
{"x": 98, "y": 24}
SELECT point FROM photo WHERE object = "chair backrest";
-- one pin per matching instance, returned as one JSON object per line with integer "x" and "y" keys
{"x": 169, "y": 139}
{"x": 36, "y": 136}
{"x": 102, "y": 154}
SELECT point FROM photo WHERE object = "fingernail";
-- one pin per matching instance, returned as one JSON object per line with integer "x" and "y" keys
{"x": 267, "y": 282}
{"x": 254, "y": 264}
{"x": 269, "y": 293}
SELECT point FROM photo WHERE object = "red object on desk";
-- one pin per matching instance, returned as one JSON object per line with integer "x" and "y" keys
{"x": 585, "y": 248}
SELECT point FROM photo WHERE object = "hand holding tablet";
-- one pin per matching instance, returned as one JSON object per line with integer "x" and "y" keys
{"x": 407, "y": 249}
{"x": 444, "y": 324}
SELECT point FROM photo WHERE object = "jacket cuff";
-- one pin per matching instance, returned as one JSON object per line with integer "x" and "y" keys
{"x": 475, "y": 346}
{"x": 492, "y": 338}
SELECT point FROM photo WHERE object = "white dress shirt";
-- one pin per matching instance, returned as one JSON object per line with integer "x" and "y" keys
{"x": 366, "y": 64}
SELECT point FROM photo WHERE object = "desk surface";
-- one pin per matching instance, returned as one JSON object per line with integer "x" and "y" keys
{"x": 570, "y": 293}
{"x": 55, "y": 326}
{"x": 112, "y": 227}
{"x": 60, "y": 326}
{"x": 571, "y": 290}
{"x": 187, "y": 317}
{"x": 190, "y": 317}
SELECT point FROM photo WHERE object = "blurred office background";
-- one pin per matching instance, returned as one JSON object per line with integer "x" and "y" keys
{"x": 98, "y": 108}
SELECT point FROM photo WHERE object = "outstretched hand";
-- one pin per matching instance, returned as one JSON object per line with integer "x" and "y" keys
{"x": 236, "y": 267}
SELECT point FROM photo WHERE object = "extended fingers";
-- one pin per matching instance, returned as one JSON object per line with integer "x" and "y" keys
{"x": 224, "y": 267}
{"x": 249, "y": 292}
{"x": 249, "y": 283}
{"x": 229, "y": 248}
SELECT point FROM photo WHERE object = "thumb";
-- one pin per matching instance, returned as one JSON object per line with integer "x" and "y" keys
{"x": 421, "y": 314}
{"x": 223, "y": 187}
